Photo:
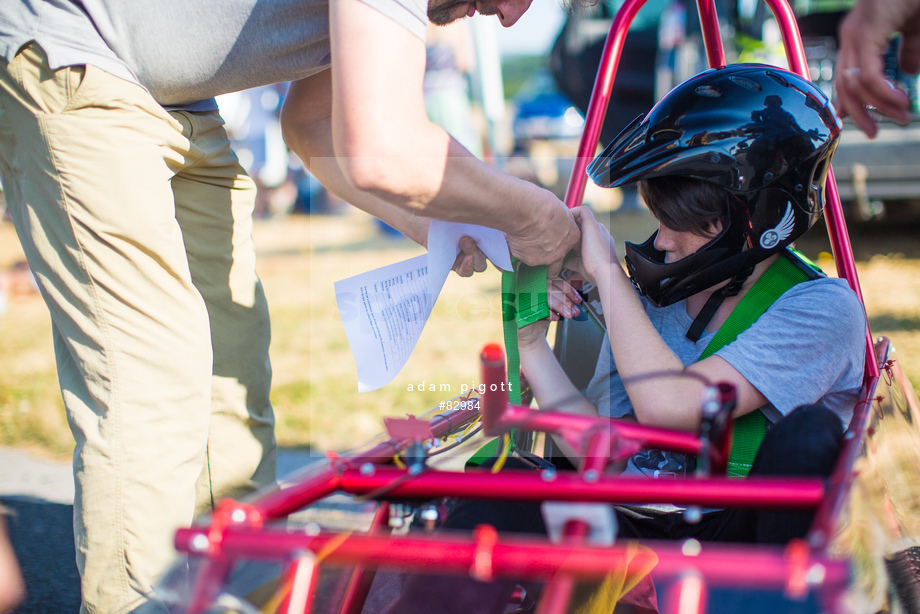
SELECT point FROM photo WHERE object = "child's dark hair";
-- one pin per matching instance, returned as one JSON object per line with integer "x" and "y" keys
{"x": 685, "y": 204}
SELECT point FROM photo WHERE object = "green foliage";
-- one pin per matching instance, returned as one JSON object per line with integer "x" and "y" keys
{"x": 517, "y": 69}
{"x": 314, "y": 391}
{"x": 32, "y": 413}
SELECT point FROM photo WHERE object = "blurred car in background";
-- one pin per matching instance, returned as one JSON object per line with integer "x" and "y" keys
{"x": 546, "y": 130}
{"x": 542, "y": 112}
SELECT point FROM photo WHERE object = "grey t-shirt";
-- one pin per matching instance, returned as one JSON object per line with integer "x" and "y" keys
{"x": 410, "y": 14}
{"x": 809, "y": 347}
{"x": 185, "y": 51}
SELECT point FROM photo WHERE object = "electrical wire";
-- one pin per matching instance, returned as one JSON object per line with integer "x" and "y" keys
{"x": 503, "y": 456}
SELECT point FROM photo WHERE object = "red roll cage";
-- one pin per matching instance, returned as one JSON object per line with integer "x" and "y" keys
{"x": 239, "y": 531}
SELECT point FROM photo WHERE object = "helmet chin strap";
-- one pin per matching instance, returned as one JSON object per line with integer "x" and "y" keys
{"x": 704, "y": 317}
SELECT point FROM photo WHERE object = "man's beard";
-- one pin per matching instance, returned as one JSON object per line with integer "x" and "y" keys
{"x": 440, "y": 12}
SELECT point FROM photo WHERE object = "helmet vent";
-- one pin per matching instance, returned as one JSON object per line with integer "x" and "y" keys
{"x": 665, "y": 135}
{"x": 778, "y": 78}
{"x": 747, "y": 84}
{"x": 708, "y": 91}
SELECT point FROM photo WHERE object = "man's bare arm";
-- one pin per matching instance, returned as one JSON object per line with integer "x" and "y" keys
{"x": 306, "y": 122}
{"x": 386, "y": 146}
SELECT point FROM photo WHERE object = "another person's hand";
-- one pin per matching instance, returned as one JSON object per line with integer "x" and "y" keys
{"x": 598, "y": 250}
{"x": 470, "y": 259}
{"x": 12, "y": 586}
{"x": 563, "y": 302}
{"x": 860, "y": 80}
{"x": 548, "y": 237}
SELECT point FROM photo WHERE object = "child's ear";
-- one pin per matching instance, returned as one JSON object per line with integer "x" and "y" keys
{"x": 714, "y": 227}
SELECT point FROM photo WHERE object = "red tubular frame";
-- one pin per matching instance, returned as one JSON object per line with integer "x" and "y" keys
{"x": 513, "y": 485}
{"x": 833, "y": 211}
{"x": 237, "y": 532}
{"x": 721, "y": 565}
{"x": 286, "y": 500}
{"x": 361, "y": 579}
{"x": 795, "y": 53}
{"x": 688, "y": 595}
{"x": 764, "y": 566}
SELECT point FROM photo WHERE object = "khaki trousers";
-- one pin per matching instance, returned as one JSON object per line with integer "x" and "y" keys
{"x": 137, "y": 225}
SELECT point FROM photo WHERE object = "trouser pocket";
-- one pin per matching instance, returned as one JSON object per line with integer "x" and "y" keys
{"x": 41, "y": 88}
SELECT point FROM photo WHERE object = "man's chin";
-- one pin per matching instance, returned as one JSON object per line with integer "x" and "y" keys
{"x": 447, "y": 13}
{"x": 443, "y": 19}
{"x": 439, "y": 20}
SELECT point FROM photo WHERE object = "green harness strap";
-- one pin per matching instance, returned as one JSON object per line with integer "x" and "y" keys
{"x": 524, "y": 301}
{"x": 786, "y": 272}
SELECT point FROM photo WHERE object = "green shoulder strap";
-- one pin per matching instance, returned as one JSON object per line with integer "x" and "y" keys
{"x": 524, "y": 301}
{"x": 786, "y": 272}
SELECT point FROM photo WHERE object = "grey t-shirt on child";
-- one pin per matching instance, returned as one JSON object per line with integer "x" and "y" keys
{"x": 809, "y": 347}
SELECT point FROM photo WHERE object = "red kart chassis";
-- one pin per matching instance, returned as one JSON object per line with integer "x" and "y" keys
{"x": 804, "y": 567}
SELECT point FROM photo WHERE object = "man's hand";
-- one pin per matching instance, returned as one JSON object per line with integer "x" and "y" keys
{"x": 860, "y": 80}
{"x": 549, "y": 236}
{"x": 470, "y": 259}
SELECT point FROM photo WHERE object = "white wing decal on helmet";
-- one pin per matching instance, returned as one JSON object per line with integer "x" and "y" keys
{"x": 774, "y": 236}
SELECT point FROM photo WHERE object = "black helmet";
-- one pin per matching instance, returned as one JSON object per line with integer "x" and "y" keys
{"x": 764, "y": 134}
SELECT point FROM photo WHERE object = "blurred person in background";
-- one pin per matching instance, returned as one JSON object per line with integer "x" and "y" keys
{"x": 672, "y": 31}
{"x": 135, "y": 216}
{"x": 449, "y": 60}
{"x": 253, "y": 123}
{"x": 17, "y": 280}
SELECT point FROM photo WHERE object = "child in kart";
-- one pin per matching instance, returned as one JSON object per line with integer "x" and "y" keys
{"x": 732, "y": 164}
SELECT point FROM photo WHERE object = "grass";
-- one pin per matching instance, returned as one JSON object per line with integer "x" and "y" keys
{"x": 315, "y": 391}
{"x": 517, "y": 69}
{"x": 31, "y": 410}
{"x": 315, "y": 382}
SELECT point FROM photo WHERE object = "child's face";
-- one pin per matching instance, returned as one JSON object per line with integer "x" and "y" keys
{"x": 679, "y": 244}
